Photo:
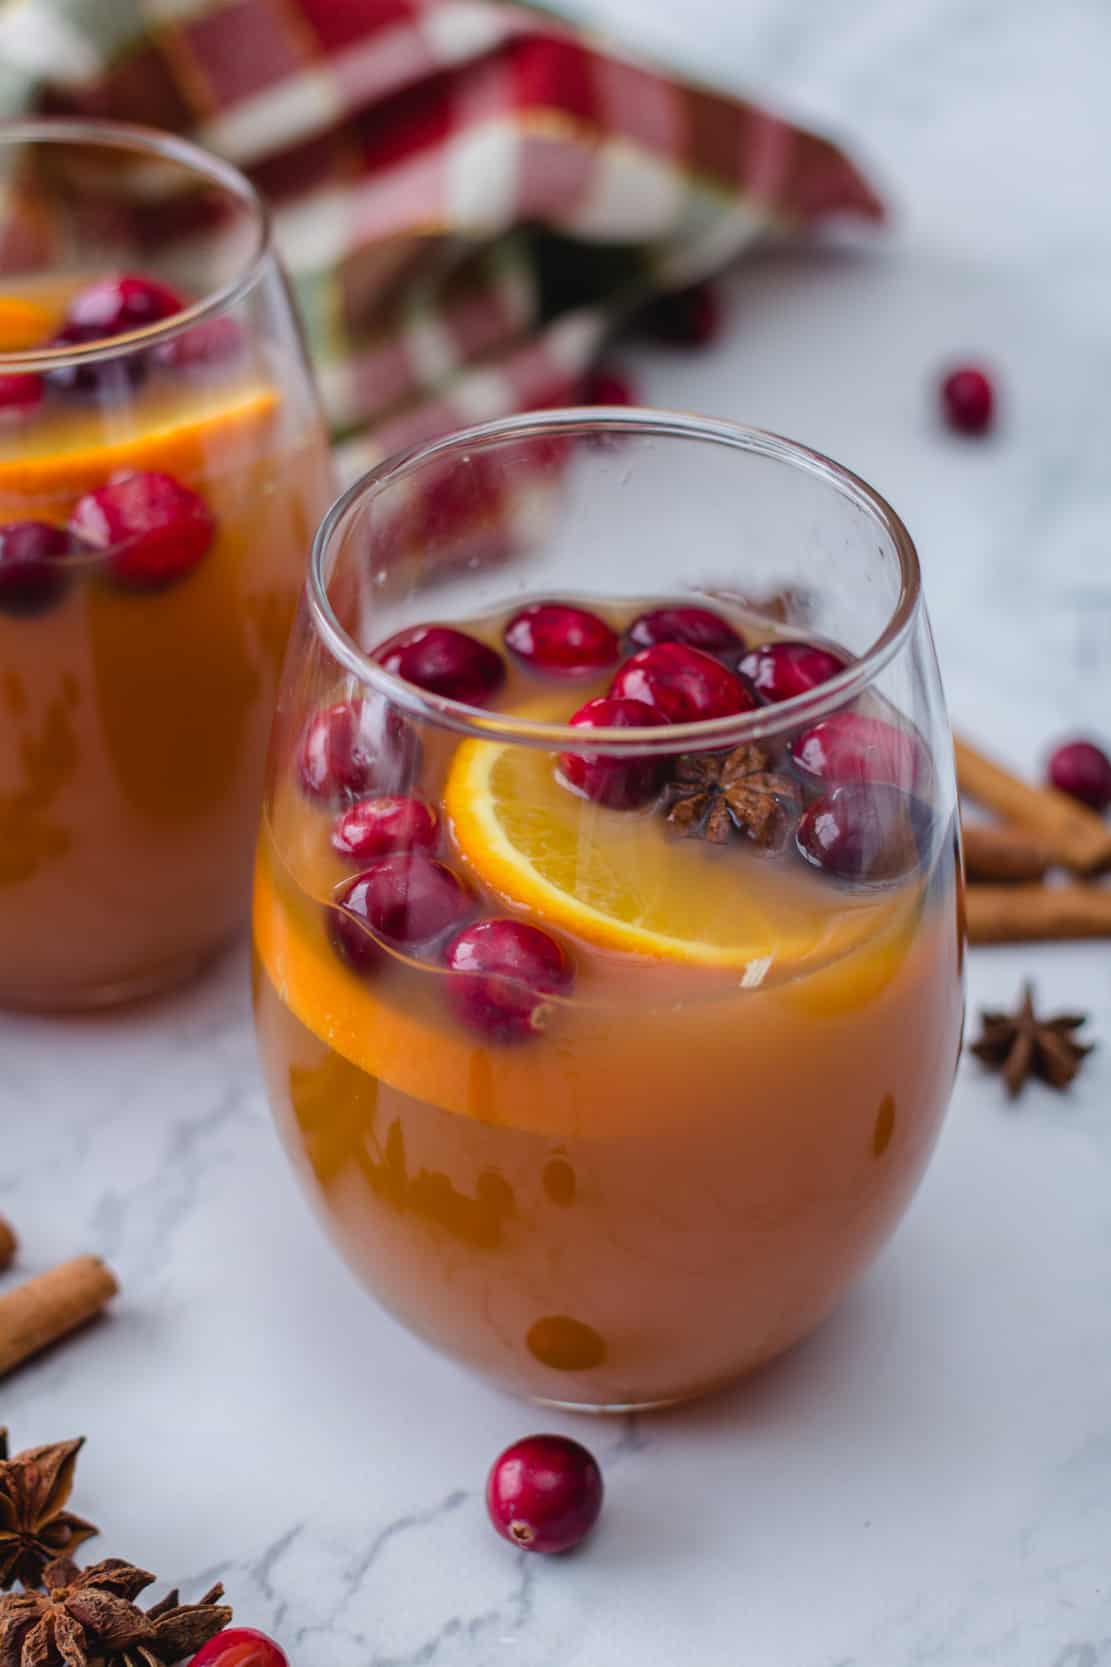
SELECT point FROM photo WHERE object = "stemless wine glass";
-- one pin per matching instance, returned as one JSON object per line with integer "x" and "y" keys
{"x": 607, "y": 904}
{"x": 162, "y": 467}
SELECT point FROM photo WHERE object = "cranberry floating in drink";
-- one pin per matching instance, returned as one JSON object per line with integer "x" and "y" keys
{"x": 374, "y": 827}
{"x": 620, "y": 782}
{"x": 561, "y": 640}
{"x": 683, "y": 684}
{"x": 697, "y": 627}
{"x": 854, "y": 747}
{"x": 32, "y": 565}
{"x": 445, "y": 662}
{"x": 150, "y": 528}
{"x": 355, "y": 745}
{"x": 781, "y": 670}
{"x": 505, "y": 971}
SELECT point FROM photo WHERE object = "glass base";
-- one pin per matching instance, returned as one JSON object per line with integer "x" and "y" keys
{"x": 90, "y": 998}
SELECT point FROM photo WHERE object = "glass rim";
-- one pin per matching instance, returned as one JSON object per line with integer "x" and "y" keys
{"x": 152, "y": 142}
{"x": 572, "y": 421}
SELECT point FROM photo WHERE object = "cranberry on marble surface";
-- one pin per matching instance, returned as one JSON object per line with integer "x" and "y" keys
{"x": 561, "y": 639}
{"x": 781, "y": 670}
{"x": 610, "y": 779}
{"x": 685, "y": 684}
{"x": 240, "y": 1646}
{"x": 152, "y": 529}
{"x": 32, "y": 569}
{"x": 544, "y": 1493}
{"x": 1083, "y": 771}
{"x": 503, "y": 972}
{"x": 445, "y": 662}
{"x": 968, "y": 400}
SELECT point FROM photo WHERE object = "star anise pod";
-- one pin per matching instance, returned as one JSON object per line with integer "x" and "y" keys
{"x": 714, "y": 795}
{"x": 1021, "y": 1045}
{"x": 34, "y": 1526}
{"x": 89, "y": 1618}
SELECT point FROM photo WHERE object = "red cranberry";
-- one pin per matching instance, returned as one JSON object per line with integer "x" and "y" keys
{"x": 968, "y": 400}
{"x": 684, "y": 683}
{"x": 503, "y": 971}
{"x": 697, "y": 627}
{"x": 209, "y": 345}
{"x": 114, "y": 306}
{"x": 152, "y": 529}
{"x": 19, "y": 394}
{"x": 406, "y": 898}
{"x": 606, "y": 385}
{"x": 1083, "y": 771}
{"x": 607, "y": 778}
{"x": 544, "y": 1493}
{"x": 869, "y": 835}
{"x": 445, "y": 661}
{"x": 240, "y": 1646}
{"x": 355, "y": 746}
{"x": 851, "y": 747}
{"x": 556, "y": 637}
{"x": 108, "y": 381}
{"x": 32, "y": 572}
{"x": 781, "y": 670}
{"x": 686, "y": 318}
{"x": 375, "y": 826}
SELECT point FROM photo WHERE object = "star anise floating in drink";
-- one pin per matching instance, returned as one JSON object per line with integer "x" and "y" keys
{"x": 35, "y": 1527}
{"x": 89, "y": 1618}
{"x": 1021, "y": 1045}
{"x": 714, "y": 795}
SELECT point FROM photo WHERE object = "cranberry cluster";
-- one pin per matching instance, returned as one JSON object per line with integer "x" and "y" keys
{"x": 863, "y": 823}
{"x": 151, "y": 529}
{"x": 358, "y": 756}
{"x": 118, "y": 307}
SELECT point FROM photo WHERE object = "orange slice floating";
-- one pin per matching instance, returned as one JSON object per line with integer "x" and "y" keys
{"x": 617, "y": 880}
{"x": 54, "y": 462}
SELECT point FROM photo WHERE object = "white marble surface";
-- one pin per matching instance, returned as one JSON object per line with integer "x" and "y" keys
{"x": 928, "y": 1482}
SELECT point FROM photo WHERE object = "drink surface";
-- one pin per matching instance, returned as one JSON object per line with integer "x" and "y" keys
{"x": 705, "y": 1131}
{"x": 136, "y": 700}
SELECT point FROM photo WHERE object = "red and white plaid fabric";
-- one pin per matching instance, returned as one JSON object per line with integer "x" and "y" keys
{"x": 468, "y": 195}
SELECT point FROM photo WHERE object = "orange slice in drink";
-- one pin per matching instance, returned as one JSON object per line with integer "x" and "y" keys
{"x": 619, "y": 880}
{"x": 25, "y": 324}
{"x": 205, "y": 431}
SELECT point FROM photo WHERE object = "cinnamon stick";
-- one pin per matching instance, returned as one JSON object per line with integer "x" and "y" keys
{"x": 1005, "y": 854}
{"x": 9, "y": 1244}
{"x": 45, "y": 1309}
{"x": 1024, "y": 913}
{"x": 1076, "y": 837}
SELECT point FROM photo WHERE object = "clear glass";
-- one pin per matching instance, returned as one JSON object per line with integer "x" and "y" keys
{"x": 631, "y": 1183}
{"x": 168, "y": 464}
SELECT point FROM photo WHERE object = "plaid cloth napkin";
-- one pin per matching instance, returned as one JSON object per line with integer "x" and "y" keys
{"x": 469, "y": 196}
